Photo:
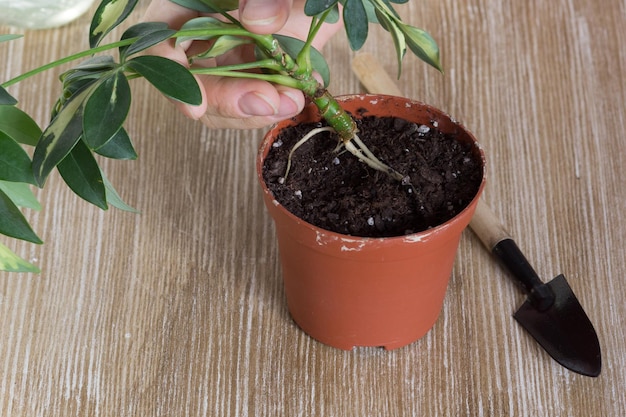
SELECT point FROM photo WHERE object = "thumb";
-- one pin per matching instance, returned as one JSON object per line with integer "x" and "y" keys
{"x": 264, "y": 16}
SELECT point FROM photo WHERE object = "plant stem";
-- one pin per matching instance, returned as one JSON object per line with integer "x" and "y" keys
{"x": 335, "y": 115}
{"x": 285, "y": 80}
{"x": 67, "y": 59}
{"x": 304, "y": 57}
{"x": 269, "y": 64}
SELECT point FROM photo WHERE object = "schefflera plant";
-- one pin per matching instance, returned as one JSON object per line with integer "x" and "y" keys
{"x": 86, "y": 123}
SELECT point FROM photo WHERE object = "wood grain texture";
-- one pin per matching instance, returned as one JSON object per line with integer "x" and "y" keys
{"x": 180, "y": 311}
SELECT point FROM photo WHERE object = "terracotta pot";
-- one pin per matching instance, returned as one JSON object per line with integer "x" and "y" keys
{"x": 349, "y": 291}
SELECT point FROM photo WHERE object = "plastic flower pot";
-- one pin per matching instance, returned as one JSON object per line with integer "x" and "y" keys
{"x": 348, "y": 291}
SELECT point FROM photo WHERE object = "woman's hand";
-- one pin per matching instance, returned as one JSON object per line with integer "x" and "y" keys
{"x": 234, "y": 102}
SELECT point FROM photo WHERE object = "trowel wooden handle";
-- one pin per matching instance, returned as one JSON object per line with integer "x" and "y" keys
{"x": 495, "y": 238}
{"x": 487, "y": 226}
{"x": 376, "y": 80}
{"x": 373, "y": 76}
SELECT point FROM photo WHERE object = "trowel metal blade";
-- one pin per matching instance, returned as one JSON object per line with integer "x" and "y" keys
{"x": 564, "y": 330}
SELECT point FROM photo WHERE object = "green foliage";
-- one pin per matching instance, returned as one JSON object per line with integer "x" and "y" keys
{"x": 6, "y": 98}
{"x": 318, "y": 63}
{"x": 12, "y": 221}
{"x": 113, "y": 198}
{"x": 106, "y": 109}
{"x": 169, "y": 77}
{"x": 209, "y": 6}
{"x": 18, "y": 125}
{"x": 87, "y": 122}
{"x": 14, "y": 161}
{"x": 207, "y": 28}
{"x": 419, "y": 42}
{"x": 148, "y": 34}
{"x": 81, "y": 173}
{"x": 10, "y": 262}
{"x": 358, "y": 14}
{"x": 356, "y": 23}
{"x": 118, "y": 147}
{"x": 317, "y": 7}
{"x": 9, "y": 37}
{"x": 58, "y": 139}
{"x": 21, "y": 194}
{"x": 16, "y": 129}
{"x": 222, "y": 45}
{"x": 107, "y": 17}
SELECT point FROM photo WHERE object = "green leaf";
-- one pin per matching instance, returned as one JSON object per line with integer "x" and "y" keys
{"x": 97, "y": 63}
{"x": 356, "y": 23}
{"x": 19, "y": 125}
{"x": 108, "y": 16}
{"x": 12, "y": 221}
{"x": 333, "y": 16}
{"x": 79, "y": 82}
{"x": 388, "y": 9}
{"x": 370, "y": 9}
{"x": 114, "y": 198}
{"x": 210, "y": 26}
{"x": 422, "y": 45}
{"x": 10, "y": 262}
{"x": 316, "y": 7}
{"x": 60, "y": 136}
{"x": 391, "y": 25}
{"x": 15, "y": 163}
{"x": 89, "y": 69}
{"x": 9, "y": 37}
{"x": 293, "y": 46}
{"x": 6, "y": 98}
{"x": 106, "y": 110}
{"x": 196, "y": 5}
{"x": 21, "y": 194}
{"x": 148, "y": 34}
{"x": 209, "y": 6}
{"x": 222, "y": 5}
{"x": 118, "y": 147}
{"x": 169, "y": 77}
{"x": 81, "y": 173}
{"x": 222, "y": 45}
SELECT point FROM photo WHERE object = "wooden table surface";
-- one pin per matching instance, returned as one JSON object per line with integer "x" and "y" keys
{"x": 180, "y": 310}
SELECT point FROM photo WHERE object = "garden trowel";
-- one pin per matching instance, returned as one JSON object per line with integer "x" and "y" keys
{"x": 551, "y": 313}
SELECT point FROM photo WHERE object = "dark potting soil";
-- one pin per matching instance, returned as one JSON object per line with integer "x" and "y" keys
{"x": 337, "y": 192}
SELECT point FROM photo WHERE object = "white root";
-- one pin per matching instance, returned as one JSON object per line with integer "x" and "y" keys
{"x": 302, "y": 141}
{"x": 362, "y": 152}
{"x": 355, "y": 146}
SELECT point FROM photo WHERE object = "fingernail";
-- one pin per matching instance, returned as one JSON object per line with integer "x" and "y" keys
{"x": 260, "y": 13}
{"x": 256, "y": 104}
{"x": 288, "y": 104}
{"x": 193, "y": 112}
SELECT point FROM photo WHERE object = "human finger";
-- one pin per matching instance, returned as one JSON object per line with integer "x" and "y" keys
{"x": 264, "y": 16}
{"x": 248, "y": 104}
{"x": 167, "y": 11}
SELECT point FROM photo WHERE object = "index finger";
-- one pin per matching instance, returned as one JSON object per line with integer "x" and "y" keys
{"x": 171, "y": 13}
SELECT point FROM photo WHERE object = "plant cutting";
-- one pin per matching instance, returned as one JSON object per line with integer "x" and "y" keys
{"x": 87, "y": 120}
